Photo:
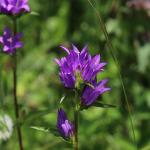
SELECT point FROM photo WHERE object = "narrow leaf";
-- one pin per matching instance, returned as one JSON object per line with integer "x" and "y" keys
{"x": 52, "y": 130}
{"x": 103, "y": 105}
{"x": 40, "y": 129}
{"x": 62, "y": 99}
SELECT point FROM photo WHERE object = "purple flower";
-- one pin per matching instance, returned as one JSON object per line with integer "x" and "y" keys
{"x": 9, "y": 42}
{"x": 140, "y": 5}
{"x": 91, "y": 93}
{"x": 14, "y": 7}
{"x": 65, "y": 127}
{"x": 78, "y": 67}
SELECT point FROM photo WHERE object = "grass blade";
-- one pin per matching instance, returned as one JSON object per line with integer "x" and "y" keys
{"x": 104, "y": 30}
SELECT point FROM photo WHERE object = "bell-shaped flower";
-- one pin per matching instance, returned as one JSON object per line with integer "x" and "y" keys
{"x": 65, "y": 127}
{"x": 93, "y": 91}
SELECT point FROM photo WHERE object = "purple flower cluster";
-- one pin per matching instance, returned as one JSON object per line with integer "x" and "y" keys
{"x": 78, "y": 70}
{"x": 10, "y": 42}
{"x": 65, "y": 127}
{"x": 14, "y": 7}
{"x": 78, "y": 65}
{"x": 81, "y": 67}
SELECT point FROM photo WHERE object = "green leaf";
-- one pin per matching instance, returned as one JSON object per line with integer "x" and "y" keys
{"x": 98, "y": 104}
{"x": 40, "y": 129}
{"x": 52, "y": 130}
{"x": 103, "y": 105}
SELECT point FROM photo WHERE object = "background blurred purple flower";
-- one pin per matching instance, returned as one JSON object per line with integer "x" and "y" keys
{"x": 91, "y": 93}
{"x": 9, "y": 42}
{"x": 140, "y": 5}
{"x": 65, "y": 127}
{"x": 78, "y": 66}
{"x": 14, "y": 7}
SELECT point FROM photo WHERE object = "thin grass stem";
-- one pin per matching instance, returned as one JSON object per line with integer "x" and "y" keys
{"x": 16, "y": 106}
{"x": 111, "y": 51}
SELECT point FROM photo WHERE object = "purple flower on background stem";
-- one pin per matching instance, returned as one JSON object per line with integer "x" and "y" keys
{"x": 91, "y": 93}
{"x": 14, "y": 7}
{"x": 78, "y": 66}
{"x": 139, "y": 4}
{"x": 65, "y": 127}
{"x": 9, "y": 42}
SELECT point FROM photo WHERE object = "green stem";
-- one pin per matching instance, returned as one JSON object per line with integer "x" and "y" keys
{"x": 16, "y": 106}
{"x": 104, "y": 30}
{"x": 76, "y": 119}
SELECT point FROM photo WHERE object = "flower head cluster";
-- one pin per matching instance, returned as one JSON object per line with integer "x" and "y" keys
{"x": 14, "y": 7}
{"x": 10, "y": 42}
{"x": 65, "y": 127}
{"x": 80, "y": 67}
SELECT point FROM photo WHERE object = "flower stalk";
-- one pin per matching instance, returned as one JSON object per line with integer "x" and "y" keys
{"x": 78, "y": 71}
{"x": 16, "y": 106}
{"x": 76, "y": 120}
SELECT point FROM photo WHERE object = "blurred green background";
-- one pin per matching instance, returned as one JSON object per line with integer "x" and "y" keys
{"x": 39, "y": 88}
